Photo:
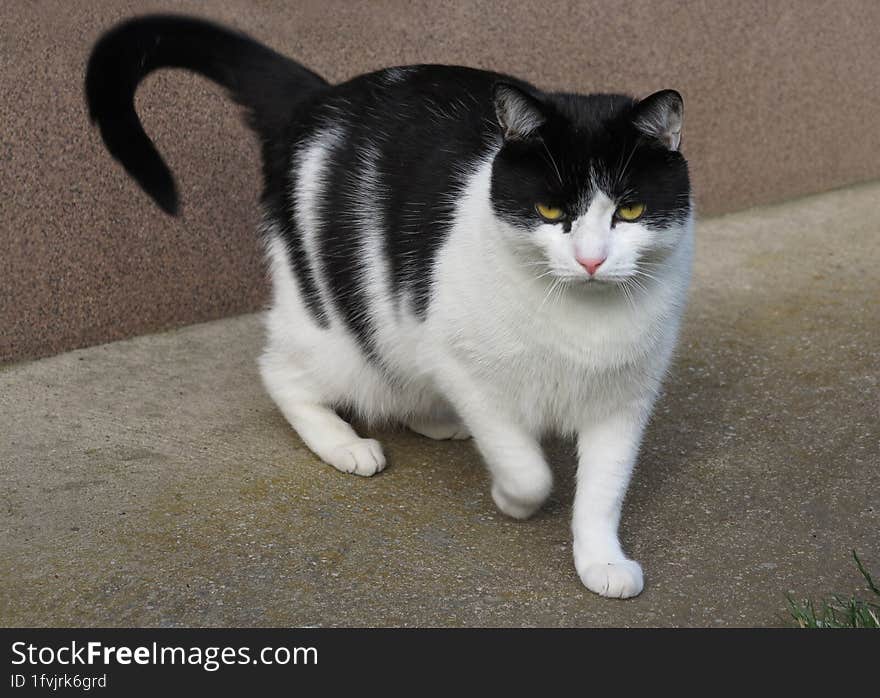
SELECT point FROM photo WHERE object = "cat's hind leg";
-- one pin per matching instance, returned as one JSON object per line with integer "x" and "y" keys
{"x": 326, "y": 434}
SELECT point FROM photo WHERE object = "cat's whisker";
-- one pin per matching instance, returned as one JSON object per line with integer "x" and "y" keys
{"x": 548, "y": 294}
{"x": 626, "y": 294}
{"x": 550, "y": 155}
{"x": 549, "y": 272}
{"x": 622, "y": 171}
{"x": 638, "y": 284}
{"x": 646, "y": 274}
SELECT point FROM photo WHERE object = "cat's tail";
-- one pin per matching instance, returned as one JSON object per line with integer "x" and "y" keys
{"x": 266, "y": 83}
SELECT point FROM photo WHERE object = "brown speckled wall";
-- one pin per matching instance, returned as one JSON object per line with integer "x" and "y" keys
{"x": 781, "y": 100}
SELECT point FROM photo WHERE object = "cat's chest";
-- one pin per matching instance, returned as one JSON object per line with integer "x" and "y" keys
{"x": 554, "y": 374}
{"x": 508, "y": 334}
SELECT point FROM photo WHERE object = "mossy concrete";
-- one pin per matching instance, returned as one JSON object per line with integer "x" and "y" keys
{"x": 152, "y": 482}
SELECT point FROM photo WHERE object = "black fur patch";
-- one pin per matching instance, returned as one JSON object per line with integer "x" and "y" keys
{"x": 585, "y": 142}
{"x": 427, "y": 125}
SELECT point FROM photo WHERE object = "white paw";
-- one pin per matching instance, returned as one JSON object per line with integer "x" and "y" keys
{"x": 361, "y": 457}
{"x": 514, "y": 508}
{"x": 620, "y": 579}
{"x": 440, "y": 430}
{"x": 522, "y": 496}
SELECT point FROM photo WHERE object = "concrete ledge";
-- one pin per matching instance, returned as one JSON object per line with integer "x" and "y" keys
{"x": 152, "y": 482}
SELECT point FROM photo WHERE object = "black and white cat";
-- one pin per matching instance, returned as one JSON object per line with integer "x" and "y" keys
{"x": 451, "y": 249}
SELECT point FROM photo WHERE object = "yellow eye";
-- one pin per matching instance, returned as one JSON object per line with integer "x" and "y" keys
{"x": 631, "y": 213}
{"x": 550, "y": 213}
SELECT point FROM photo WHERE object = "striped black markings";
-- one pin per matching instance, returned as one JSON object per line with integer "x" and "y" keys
{"x": 396, "y": 173}
{"x": 437, "y": 128}
{"x": 345, "y": 211}
{"x": 417, "y": 213}
{"x": 292, "y": 234}
{"x": 419, "y": 218}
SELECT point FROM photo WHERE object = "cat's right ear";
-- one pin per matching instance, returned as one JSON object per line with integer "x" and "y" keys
{"x": 519, "y": 114}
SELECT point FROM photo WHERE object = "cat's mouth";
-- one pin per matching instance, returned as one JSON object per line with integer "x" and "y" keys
{"x": 590, "y": 285}
{"x": 591, "y": 281}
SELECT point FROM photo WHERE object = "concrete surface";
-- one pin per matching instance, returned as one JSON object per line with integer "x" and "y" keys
{"x": 152, "y": 482}
{"x": 776, "y": 101}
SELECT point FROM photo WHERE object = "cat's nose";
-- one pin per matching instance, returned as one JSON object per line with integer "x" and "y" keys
{"x": 591, "y": 265}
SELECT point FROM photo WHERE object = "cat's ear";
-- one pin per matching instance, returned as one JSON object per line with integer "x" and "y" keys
{"x": 519, "y": 114}
{"x": 661, "y": 116}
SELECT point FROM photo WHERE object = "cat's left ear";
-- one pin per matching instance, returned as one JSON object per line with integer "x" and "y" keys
{"x": 661, "y": 116}
{"x": 519, "y": 113}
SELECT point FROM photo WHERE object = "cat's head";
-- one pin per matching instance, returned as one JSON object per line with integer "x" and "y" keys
{"x": 590, "y": 188}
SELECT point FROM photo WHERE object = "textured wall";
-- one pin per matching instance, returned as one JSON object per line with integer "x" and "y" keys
{"x": 781, "y": 99}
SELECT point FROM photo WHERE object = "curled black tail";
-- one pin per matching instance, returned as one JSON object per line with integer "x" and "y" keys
{"x": 266, "y": 83}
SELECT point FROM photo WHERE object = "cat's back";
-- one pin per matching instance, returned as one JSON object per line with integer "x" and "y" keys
{"x": 416, "y": 106}
{"x": 374, "y": 174}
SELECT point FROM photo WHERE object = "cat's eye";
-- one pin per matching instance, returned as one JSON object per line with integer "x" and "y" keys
{"x": 550, "y": 213}
{"x": 630, "y": 213}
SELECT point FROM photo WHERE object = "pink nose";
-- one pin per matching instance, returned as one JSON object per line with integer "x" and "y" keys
{"x": 591, "y": 265}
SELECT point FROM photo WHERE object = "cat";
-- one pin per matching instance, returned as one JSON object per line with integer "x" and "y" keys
{"x": 453, "y": 250}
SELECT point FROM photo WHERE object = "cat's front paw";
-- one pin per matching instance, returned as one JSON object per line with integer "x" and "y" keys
{"x": 619, "y": 579}
{"x": 361, "y": 457}
{"x": 514, "y": 508}
{"x": 440, "y": 430}
{"x": 522, "y": 496}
